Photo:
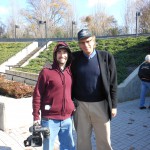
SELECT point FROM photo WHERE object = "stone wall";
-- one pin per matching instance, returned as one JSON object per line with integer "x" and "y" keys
{"x": 15, "y": 112}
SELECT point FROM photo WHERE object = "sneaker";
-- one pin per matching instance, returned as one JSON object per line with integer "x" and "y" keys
{"x": 142, "y": 107}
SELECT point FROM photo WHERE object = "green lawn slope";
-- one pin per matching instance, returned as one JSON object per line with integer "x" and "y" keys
{"x": 128, "y": 53}
{"x": 7, "y": 50}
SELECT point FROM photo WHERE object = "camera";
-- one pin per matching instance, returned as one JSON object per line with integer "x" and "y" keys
{"x": 35, "y": 140}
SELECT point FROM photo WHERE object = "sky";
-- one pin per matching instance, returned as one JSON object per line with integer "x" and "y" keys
{"x": 112, "y": 7}
{"x": 83, "y": 7}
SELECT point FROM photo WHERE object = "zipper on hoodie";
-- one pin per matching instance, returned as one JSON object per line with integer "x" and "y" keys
{"x": 64, "y": 88}
{"x": 62, "y": 76}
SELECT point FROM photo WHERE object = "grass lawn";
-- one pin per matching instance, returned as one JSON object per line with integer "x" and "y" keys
{"x": 7, "y": 50}
{"x": 128, "y": 53}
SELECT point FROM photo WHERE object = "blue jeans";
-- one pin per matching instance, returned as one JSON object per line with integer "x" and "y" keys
{"x": 144, "y": 88}
{"x": 62, "y": 128}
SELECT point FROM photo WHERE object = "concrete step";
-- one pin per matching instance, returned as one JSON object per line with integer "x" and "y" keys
{"x": 20, "y": 63}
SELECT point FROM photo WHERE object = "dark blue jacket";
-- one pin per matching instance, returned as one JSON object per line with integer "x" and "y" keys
{"x": 144, "y": 72}
{"x": 108, "y": 74}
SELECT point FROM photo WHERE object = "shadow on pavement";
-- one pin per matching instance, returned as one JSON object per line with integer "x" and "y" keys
{"x": 5, "y": 147}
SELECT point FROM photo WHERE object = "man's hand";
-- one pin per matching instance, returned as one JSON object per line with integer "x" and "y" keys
{"x": 114, "y": 112}
{"x": 47, "y": 65}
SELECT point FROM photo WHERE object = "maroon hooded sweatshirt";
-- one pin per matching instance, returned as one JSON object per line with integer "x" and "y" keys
{"x": 52, "y": 93}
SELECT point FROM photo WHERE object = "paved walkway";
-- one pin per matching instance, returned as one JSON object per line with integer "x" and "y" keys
{"x": 130, "y": 130}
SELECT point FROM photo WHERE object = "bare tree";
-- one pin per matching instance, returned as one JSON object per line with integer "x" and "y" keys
{"x": 100, "y": 23}
{"x": 131, "y": 10}
{"x": 2, "y": 29}
{"x": 145, "y": 16}
{"x": 53, "y": 12}
{"x": 130, "y": 14}
{"x": 14, "y": 19}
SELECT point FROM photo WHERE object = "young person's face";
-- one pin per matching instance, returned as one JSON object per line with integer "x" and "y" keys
{"x": 87, "y": 45}
{"x": 62, "y": 56}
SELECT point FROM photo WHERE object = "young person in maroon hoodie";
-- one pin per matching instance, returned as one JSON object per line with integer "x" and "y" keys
{"x": 52, "y": 103}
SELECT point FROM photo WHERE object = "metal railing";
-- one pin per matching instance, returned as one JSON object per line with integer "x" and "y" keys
{"x": 42, "y": 41}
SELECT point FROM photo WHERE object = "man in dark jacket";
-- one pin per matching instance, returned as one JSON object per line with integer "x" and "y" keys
{"x": 52, "y": 96}
{"x": 94, "y": 91}
{"x": 144, "y": 75}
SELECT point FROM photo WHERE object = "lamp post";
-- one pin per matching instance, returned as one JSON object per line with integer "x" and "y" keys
{"x": 73, "y": 23}
{"x": 44, "y": 22}
{"x": 137, "y": 15}
{"x": 16, "y": 26}
{"x": 2, "y": 29}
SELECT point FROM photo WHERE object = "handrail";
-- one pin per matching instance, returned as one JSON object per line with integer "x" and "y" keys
{"x": 69, "y": 39}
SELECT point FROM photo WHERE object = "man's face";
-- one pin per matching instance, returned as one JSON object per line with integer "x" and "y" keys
{"x": 62, "y": 56}
{"x": 87, "y": 45}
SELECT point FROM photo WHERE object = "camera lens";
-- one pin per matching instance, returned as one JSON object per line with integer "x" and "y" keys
{"x": 36, "y": 140}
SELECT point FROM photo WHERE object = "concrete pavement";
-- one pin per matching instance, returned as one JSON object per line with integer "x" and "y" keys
{"x": 130, "y": 130}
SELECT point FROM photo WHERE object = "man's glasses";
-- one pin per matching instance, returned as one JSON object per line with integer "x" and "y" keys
{"x": 86, "y": 42}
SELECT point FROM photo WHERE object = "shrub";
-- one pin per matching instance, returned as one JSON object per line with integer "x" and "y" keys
{"x": 14, "y": 89}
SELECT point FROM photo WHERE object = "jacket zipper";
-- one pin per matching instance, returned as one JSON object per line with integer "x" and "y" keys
{"x": 63, "y": 100}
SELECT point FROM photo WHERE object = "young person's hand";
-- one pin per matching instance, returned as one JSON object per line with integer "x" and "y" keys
{"x": 36, "y": 122}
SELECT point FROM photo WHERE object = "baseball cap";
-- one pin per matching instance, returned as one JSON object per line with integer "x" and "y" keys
{"x": 84, "y": 33}
{"x": 62, "y": 47}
